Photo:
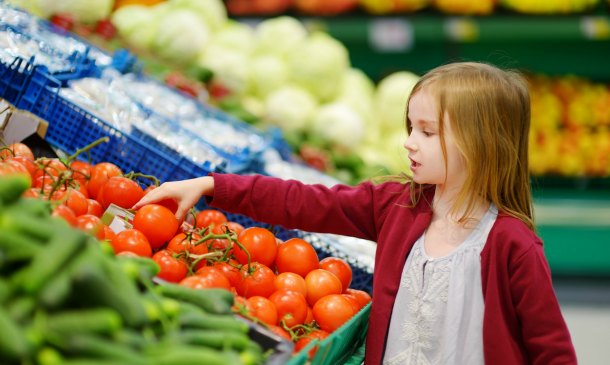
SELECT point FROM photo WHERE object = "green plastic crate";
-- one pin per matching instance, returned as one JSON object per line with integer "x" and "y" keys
{"x": 339, "y": 347}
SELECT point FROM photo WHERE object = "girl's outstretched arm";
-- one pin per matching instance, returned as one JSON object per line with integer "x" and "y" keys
{"x": 185, "y": 192}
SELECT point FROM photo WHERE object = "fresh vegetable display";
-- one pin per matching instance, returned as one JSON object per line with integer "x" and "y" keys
{"x": 67, "y": 299}
{"x": 208, "y": 267}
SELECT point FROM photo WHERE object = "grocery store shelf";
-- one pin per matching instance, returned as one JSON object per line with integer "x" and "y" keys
{"x": 553, "y": 45}
{"x": 575, "y": 227}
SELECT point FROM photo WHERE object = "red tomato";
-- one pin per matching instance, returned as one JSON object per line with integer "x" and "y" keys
{"x": 361, "y": 296}
{"x": 108, "y": 234}
{"x": 120, "y": 191}
{"x": 32, "y": 193}
{"x": 171, "y": 268}
{"x": 262, "y": 309}
{"x": 291, "y": 281}
{"x": 100, "y": 173}
{"x": 231, "y": 226}
{"x": 17, "y": 149}
{"x": 210, "y": 217}
{"x": 19, "y": 168}
{"x": 207, "y": 277}
{"x": 240, "y": 305}
{"x": 332, "y": 311}
{"x": 309, "y": 317}
{"x": 29, "y": 165}
{"x": 187, "y": 243}
{"x": 291, "y": 307}
{"x": 321, "y": 283}
{"x": 230, "y": 270}
{"x": 131, "y": 240}
{"x": 49, "y": 167}
{"x": 280, "y": 332}
{"x": 340, "y": 268}
{"x": 297, "y": 256}
{"x": 65, "y": 213}
{"x": 256, "y": 279}
{"x": 44, "y": 182}
{"x": 73, "y": 199}
{"x": 157, "y": 223}
{"x": 94, "y": 208}
{"x": 260, "y": 243}
{"x": 81, "y": 171}
{"x": 91, "y": 224}
{"x": 304, "y": 340}
{"x": 353, "y": 301}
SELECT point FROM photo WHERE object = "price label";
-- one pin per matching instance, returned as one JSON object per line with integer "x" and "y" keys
{"x": 462, "y": 29}
{"x": 391, "y": 35}
{"x": 595, "y": 27}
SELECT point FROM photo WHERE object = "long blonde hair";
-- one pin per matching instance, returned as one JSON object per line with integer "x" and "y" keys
{"x": 489, "y": 112}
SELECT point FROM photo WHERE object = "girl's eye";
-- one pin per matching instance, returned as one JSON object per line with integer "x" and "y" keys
{"x": 427, "y": 134}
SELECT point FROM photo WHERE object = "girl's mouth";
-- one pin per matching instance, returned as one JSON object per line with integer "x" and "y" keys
{"x": 414, "y": 165}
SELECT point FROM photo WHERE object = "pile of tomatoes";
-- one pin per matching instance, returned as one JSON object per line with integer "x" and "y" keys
{"x": 281, "y": 284}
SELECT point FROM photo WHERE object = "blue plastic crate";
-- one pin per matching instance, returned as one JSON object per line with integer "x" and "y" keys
{"x": 14, "y": 77}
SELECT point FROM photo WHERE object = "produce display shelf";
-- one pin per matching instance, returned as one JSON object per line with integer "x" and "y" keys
{"x": 575, "y": 227}
{"x": 554, "y": 45}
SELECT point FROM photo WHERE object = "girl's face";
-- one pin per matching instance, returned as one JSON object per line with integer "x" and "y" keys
{"x": 424, "y": 145}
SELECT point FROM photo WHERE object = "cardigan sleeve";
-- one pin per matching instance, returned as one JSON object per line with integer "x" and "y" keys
{"x": 341, "y": 209}
{"x": 545, "y": 333}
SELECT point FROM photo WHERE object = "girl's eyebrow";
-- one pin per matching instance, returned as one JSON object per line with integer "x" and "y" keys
{"x": 426, "y": 123}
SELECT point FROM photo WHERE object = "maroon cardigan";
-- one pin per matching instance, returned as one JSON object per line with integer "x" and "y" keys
{"x": 522, "y": 322}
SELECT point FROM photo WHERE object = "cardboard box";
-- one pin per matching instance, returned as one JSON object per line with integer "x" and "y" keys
{"x": 16, "y": 124}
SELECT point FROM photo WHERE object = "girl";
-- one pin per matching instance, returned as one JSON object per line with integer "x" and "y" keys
{"x": 460, "y": 276}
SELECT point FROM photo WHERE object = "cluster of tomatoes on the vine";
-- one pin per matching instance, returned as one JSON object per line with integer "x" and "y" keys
{"x": 281, "y": 284}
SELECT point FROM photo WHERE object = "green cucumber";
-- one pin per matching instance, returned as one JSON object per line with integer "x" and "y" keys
{"x": 217, "y": 301}
{"x": 49, "y": 260}
{"x": 16, "y": 247}
{"x": 13, "y": 343}
{"x": 85, "y": 345}
{"x": 94, "y": 285}
{"x": 141, "y": 269}
{"x": 21, "y": 308}
{"x": 5, "y": 290}
{"x": 193, "y": 317}
{"x": 189, "y": 355}
{"x": 212, "y": 338}
{"x": 12, "y": 186}
{"x": 92, "y": 320}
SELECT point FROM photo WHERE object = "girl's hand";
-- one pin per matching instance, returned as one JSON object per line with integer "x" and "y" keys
{"x": 185, "y": 192}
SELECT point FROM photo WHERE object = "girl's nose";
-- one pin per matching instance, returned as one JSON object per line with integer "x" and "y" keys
{"x": 409, "y": 144}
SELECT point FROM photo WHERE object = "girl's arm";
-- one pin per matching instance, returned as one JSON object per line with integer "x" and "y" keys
{"x": 341, "y": 209}
{"x": 545, "y": 333}
{"x": 353, "y": 211}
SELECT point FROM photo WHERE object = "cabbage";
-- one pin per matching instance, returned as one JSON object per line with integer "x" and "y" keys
{"x": 267, "y": 73}
{"x": 387, "y": 151}
{"x": 236, "y": 36}
{"x": 391, "y": 98}
{"x": 290, "y": 108}
{"x": 229, "y": 66}
{"x": 279, "y": 35}
{"x": 318, "y": 65}
{"x": 181, "y": 36}
{"x": 137, "y": 24}
{"x": 213, "y": 12}
{"x": 43, "y": 9}
{"x": 84, "y": 11}
{"x": 339, "y": 124}
{"x": 357, "y": 91}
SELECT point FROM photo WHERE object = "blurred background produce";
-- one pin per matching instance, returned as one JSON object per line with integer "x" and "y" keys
{"x": 278, "y": 64}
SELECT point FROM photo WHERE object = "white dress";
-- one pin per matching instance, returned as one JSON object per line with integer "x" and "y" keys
{"x": 438, "y": 313}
